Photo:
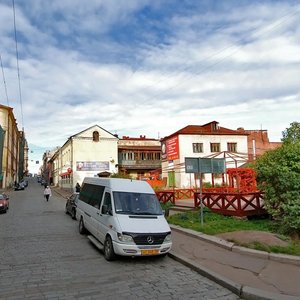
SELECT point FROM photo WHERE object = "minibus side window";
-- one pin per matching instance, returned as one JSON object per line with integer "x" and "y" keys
{"x": 92, "y": 194}
{"x": 107, "y": 202}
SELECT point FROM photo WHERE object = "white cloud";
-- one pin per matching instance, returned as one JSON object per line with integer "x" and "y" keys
{"x": 228, "y": 65}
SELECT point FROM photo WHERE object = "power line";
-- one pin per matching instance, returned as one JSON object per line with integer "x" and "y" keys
{"x": 4, "y": 80}
{"x": 255, "y": 34}
{"x": 18, "y": 69}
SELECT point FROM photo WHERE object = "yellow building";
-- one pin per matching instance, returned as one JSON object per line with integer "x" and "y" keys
{"x": 12, "y": 144}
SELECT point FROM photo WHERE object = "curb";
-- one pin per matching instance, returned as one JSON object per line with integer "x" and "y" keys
{"x": 284, "y": 258}
{"x": 245, "y": 292}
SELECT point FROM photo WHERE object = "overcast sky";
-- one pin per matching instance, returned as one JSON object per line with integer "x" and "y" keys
{"x": 149, "y": 67}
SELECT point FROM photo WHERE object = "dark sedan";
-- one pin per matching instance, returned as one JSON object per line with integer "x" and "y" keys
{"x": 4, "y": 203}
{"x": 71, "y": 205}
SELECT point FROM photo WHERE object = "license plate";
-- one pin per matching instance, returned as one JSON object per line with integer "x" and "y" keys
{"x": 150, "y": 252}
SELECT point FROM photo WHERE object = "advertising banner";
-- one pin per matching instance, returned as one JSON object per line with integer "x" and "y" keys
{"x": 172, "y": 148}
{"x": 92, "y": 166}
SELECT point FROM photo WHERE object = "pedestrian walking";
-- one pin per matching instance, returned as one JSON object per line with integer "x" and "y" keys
{"x": 77, "y": 188}
{"x": 47, "y": 192}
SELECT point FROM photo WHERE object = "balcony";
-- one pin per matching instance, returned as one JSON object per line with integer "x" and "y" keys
{"x": 140, "y": 164}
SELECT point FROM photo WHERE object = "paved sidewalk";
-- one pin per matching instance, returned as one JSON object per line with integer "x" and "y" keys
{"x": 248, "y": 273}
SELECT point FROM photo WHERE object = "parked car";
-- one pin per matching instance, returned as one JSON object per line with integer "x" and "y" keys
{"x": 24, "y": 182}
{"x": 71, "y": 205}
{"x": 4, "y": 203}
{"x": 19, "y": 186}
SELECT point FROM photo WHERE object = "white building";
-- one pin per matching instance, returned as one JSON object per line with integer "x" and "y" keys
{"x": 200, "y": 141}
{"x": 87, "y": 153}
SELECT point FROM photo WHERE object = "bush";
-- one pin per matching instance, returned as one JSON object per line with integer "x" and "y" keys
{"x": 278, "y": 175}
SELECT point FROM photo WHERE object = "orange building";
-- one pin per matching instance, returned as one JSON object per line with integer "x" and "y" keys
{"x": 258, "y": 142}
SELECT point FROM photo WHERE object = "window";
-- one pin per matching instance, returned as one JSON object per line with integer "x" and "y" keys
{"x": 215, "y": 147}
{"x": 130, "y": 203}
{"x": 107, "y": 202}
{"x": 197, "y": 147}
{"x": 232, "y": 147}
{"x": 92, "y": 194}
{"x": 95, "y": 136}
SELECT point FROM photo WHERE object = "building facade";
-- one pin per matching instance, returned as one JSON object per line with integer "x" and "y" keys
{"x": 258, "y": 142}
{"x": 139, "y": 157}
{"x": 85, "y": 154}
{"x": 195, "y": 141}
{"x": 13, "y": 149}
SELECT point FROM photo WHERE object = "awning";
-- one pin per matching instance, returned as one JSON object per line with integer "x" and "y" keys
{"x": 64, "y": 174}
{"x": 69, "y": 171}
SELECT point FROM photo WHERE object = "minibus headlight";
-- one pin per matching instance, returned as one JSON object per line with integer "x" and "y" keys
{"x": 168, "y": 238}
{"x": 124, "y": 238}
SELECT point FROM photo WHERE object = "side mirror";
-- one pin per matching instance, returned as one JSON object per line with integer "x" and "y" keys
{"x": 105, "y": 210}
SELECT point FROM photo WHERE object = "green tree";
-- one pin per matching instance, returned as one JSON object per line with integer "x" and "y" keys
{"x": 120, "y": 175}
{"x": 292, "y": 134}
{"x": 278, "y": 175}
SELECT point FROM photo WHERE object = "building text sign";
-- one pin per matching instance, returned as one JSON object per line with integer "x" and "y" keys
{"x": 92, "y": 165}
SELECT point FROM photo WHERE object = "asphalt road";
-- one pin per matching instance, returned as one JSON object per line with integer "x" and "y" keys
{"x": 43, "y": 256}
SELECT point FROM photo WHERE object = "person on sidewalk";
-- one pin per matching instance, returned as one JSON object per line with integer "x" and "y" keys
{"x": 77, "y": 188}
{"x": 47, "y": 192}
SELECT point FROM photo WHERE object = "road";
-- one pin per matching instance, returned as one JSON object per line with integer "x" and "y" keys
{"x": 43, "y": 256}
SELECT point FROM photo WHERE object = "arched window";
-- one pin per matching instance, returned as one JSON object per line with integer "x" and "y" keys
{"x": 95, "y": 136}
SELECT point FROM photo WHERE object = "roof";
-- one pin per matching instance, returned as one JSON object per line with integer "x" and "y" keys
{"x": 96, "y": 126}
{"x": 211, "y": 128}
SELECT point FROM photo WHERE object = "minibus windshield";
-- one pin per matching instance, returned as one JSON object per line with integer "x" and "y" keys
{"x": 130, "y": 203}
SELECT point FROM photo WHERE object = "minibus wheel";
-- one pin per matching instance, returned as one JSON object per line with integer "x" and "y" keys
{"x": 73, "y": 215}
{"x": 82, "y": 229}
{"x": 109, "y": 252}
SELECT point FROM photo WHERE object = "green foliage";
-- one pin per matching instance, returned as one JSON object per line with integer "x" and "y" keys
{"x": 278, "y": 175}
{"x": 120, "y": 175}
{"x": 215, "y": 223}
{"x": 292, "y": 134}
{"x": 166, "y": 206}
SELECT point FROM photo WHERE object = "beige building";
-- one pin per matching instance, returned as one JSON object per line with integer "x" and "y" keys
{"x": 85, "y": 154}
{"x": 13, "y": 149}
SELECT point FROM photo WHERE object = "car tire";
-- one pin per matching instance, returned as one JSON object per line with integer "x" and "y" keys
{"x": 109, "y": 252}
{"x": 82, "y": 229}
{"x": 66, "y": 211}
{"x": 73, "y": 214}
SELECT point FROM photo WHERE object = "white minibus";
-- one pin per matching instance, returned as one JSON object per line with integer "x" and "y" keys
{"x": 123, "y": 217}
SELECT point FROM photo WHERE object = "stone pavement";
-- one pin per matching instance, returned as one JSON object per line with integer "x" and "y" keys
{"x": 248, "y": 273}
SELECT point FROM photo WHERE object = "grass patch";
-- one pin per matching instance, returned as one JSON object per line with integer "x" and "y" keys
{"x": 215, "y": 224}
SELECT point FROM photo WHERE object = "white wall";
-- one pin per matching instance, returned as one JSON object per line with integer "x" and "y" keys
{"x": 185, "y": 180}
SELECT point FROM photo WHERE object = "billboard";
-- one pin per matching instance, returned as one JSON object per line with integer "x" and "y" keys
{"x": 205, "y": 165}
{"x": 170, "y": 149}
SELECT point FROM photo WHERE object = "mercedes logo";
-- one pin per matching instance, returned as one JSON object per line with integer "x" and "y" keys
{"x": 150, "y": 239}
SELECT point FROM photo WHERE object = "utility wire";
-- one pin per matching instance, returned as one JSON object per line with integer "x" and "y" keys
{"x": 255, "y": 34}
{"x": 4, "y": 80}
{"x": 18, "y": 69}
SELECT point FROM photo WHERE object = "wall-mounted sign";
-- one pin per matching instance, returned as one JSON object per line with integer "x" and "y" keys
{"x": 172, "y": 148}
{"x": 92, "y": 165}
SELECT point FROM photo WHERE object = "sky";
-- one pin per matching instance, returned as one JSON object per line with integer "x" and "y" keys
{"x": 148, "y": 67}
